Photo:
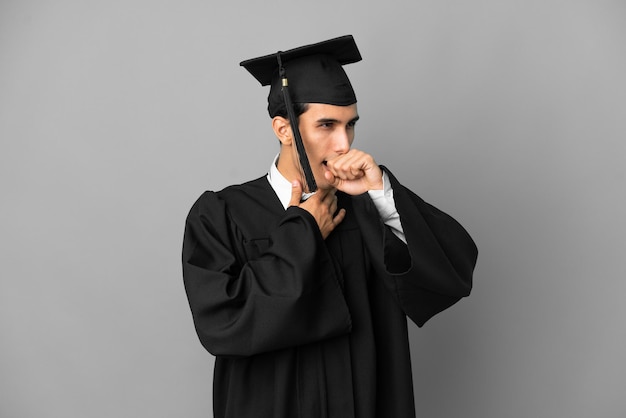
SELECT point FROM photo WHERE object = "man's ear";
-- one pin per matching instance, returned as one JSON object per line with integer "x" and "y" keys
{"x": 282, "y": 130}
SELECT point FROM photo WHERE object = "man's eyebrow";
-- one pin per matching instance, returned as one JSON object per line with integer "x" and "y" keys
{"x": 331, "y": 120}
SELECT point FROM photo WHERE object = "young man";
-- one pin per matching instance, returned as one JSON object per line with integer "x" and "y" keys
{"x": 303, "y": 297}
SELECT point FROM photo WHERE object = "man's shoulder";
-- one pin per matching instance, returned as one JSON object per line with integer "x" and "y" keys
{"x": 253, "y": 196}
{"x": 234, "y": 192}
{"x": 238, "y": 200}
{"x": 249, "y": 190}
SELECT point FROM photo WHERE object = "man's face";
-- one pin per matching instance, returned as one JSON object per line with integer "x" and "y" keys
{"x": 327, "y": 132}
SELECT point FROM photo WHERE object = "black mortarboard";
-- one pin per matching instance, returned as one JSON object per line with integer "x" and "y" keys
{"x": 314, "y": 71}
{"x": 308, "y": 74}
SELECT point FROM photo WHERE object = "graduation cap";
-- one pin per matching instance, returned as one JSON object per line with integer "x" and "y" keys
{"x": 307, "y": 74}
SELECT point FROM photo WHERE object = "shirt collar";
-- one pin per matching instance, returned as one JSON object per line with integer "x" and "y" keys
{"x": 281, "y": 186}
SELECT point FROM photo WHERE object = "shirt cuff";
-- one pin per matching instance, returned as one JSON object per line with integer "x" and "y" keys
{"x": 386, "y": 206}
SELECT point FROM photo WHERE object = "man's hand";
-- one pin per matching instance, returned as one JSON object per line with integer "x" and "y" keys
{"x": 354, "y": 173}
{"x": 322, "y": 206}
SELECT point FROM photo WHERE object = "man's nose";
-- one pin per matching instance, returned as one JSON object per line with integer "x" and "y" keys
{"x": 342, "y": 141}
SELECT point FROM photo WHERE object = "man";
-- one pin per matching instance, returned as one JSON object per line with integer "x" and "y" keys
{"x": 300, "y": 281}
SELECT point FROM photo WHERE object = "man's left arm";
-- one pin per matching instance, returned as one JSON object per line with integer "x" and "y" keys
{"x": 434, "y": 269}
{"x": 425, "y": 257}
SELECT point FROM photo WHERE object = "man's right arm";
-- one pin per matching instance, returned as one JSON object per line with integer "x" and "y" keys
{"x": 288, "y": 295}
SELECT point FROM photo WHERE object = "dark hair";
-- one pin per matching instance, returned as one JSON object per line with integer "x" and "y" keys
{"x": 298, "y": 108}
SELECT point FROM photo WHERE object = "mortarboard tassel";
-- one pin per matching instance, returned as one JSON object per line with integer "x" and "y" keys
{"x": 304, "y": 161}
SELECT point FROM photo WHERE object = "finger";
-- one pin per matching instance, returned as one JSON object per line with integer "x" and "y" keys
{"x": 357, "y": 170}
{"x": 333, "y": 205}
{"x": 296, "y": 193}
{"x": 348, "y": 168}
{"x": 339, "y": 217}
{"x": 331, "y": 179}
{"x": 320, "y": 195}
{"x": 355, "y": 165}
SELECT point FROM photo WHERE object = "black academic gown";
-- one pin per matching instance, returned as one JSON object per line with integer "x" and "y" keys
{"x": 303, "y": 327}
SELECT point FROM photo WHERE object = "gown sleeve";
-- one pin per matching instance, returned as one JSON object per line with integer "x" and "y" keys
{"x": 288, "y": 294}
{"x": 433, "y": 270}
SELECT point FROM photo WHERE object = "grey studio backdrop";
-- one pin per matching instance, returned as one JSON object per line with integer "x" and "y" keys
{"x": 115, "y": 116}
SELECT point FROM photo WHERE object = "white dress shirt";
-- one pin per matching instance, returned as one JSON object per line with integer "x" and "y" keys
{"x": 383, "y": 199}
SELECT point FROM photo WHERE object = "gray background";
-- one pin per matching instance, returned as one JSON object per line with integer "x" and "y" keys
{"x": 116, "y": 115}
